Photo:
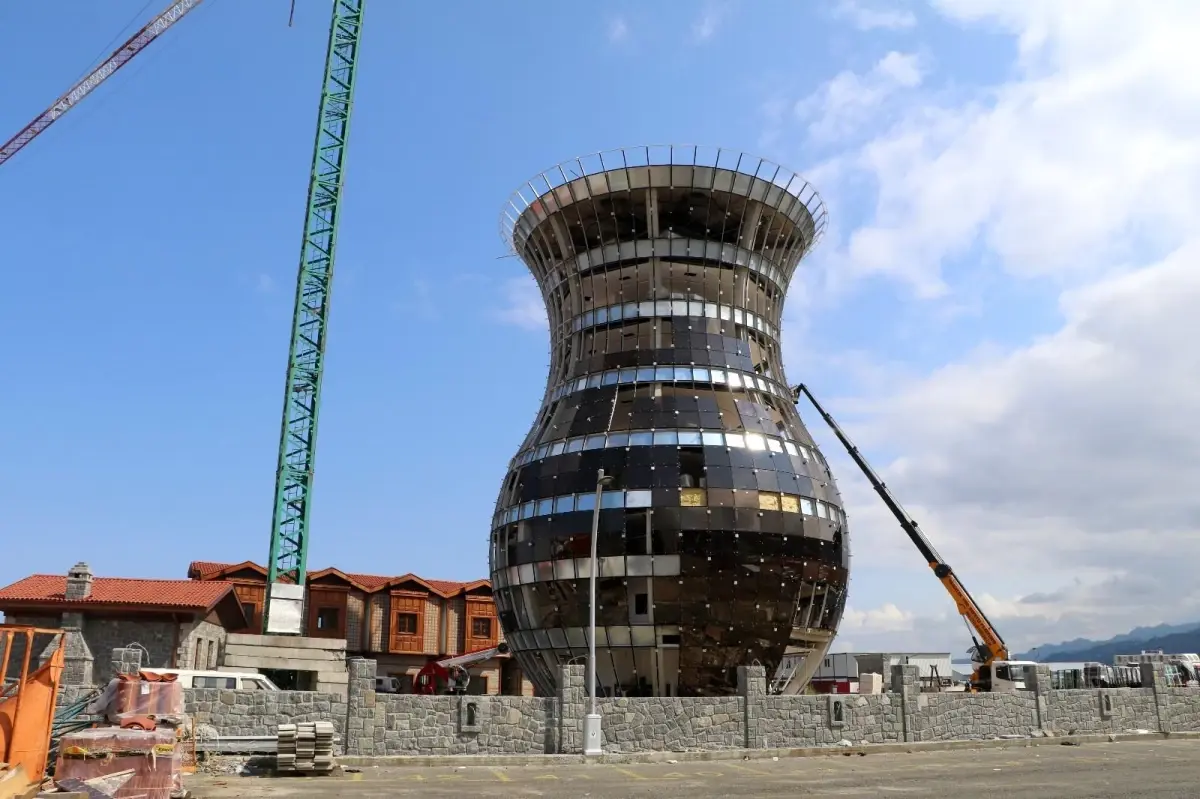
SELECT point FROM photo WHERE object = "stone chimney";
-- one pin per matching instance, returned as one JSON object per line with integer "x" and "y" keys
{"x": 79, "y": 581}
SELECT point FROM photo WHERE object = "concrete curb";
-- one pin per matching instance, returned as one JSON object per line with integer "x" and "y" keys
{"x": 428, "y": 761}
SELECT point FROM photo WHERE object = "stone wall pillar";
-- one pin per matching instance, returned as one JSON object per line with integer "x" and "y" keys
{"x": 906, "y": 684}
{"x": 752, "y": 687}
{"x": 572, "y": 707}
{"x": 1043, "y": 682}
{"x": 364, "y": 723}
{"x": 1154, "y": 675}
{"x": 126, "y": 660}
{"x": 77, "y": 656}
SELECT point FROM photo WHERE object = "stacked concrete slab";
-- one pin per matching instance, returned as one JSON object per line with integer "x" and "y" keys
{"x": 305, "y": 747}
{"x": 324, "y": 656}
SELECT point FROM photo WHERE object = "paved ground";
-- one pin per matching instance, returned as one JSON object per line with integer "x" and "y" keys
{"x": 1147, "y": 769}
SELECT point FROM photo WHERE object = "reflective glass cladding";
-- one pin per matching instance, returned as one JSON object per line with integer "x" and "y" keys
{"x": 722, "y": 540}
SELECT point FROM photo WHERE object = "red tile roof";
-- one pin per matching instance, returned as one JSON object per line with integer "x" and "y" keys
{"x": 207, "y": 570}
{"x": 166, "y": 594}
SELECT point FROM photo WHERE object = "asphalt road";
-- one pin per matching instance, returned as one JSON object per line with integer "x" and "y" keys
{"x": 1155, "y": 769}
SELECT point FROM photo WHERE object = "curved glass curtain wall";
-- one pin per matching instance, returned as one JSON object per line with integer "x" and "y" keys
{"x": 722, "y": 539}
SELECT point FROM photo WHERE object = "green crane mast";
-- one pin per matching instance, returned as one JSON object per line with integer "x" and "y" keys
{"x": 310, "y": 320}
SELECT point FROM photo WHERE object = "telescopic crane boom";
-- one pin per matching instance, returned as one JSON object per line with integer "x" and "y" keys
{"x": 989, "y": 646}
{"x": 119, "y": 58}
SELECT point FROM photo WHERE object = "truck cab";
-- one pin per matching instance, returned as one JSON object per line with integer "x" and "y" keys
{"x": 1006, "y": 676}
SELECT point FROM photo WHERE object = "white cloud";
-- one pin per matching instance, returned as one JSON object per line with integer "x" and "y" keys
{"x": 885, "y": 619}
{"x": 871, "y": 17}
{"x": 1058, "y": 476}
{"x": 1065, "y": 171}
{"x": 618, "y": 29}
{"x": 522, "y": 305}
{"x": 850, "y": 99}
{"x": 709, "y": 21}
{"x": 424, "y": 302}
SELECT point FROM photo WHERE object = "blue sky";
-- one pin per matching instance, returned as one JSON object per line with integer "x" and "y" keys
{"x": 152, "y": 238}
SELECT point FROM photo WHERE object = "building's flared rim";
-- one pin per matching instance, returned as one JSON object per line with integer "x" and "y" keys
{"x": 661, "y": 155}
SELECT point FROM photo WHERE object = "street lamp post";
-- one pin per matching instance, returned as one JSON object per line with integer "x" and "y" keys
{"x": 592, "y": 739}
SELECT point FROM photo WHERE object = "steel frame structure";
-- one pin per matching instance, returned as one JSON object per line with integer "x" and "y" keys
{"x": 119, "y": 58}
{"x": 306, "y": 355}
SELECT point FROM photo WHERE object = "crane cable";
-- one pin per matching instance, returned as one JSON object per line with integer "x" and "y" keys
{"x": 112, "y": 42}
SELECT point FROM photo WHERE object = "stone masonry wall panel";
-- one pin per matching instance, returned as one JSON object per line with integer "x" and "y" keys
{"x": 676, "y": 725}
{"x": 963, "y": 716}
{"x": 438, "y": 725}
{"x": 791, "y": 721}
{"x": 374, "y": 724}
{"x": 1181, "y": 709}
{"x": 1080, "y": 710}
{"x": 234, "y": 713}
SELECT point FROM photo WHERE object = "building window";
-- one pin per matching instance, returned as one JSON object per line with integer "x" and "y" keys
{"x": 196, "y": 664}
{"x": 406, "y": 624}
{"x": 641, "y": 604}
{"x": 250, "y": 609}
{"x": 481, "y": 627}
{"x": 327, "y": 618}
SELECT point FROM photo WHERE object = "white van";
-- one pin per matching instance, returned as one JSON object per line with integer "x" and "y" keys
{"x": 230, "y": 680}
{"x": 387, "y": 685}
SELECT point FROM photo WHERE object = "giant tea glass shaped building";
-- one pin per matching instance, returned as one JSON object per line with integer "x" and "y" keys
{"x": 722, "y": 541}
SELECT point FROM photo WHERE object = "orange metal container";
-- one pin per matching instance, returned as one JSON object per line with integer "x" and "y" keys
{"x": 27, "y": 707}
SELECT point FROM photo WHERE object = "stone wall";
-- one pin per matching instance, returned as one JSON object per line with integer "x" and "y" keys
{"x": 1180, "y": 711}
{"x": 796, "y": 721}
{"x": 1085, "y": 710}
{"x": 962, "y": 716}
{"x": 383, "y": 724}
{"x": 233, "y": 713}
{"x": 461, "y": 725}
{"x": 16, "y": 643}
{"x": 673, "y": 724}
{"x": 162, "y": 640}
{"x": 202, "y": 645}
{"x": 168, "y": 644}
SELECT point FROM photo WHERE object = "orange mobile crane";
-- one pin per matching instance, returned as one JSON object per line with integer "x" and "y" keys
{"x": 993, "y": 670}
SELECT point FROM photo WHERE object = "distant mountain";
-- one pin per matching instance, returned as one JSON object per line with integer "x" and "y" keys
{"x": 1167, "y": 637}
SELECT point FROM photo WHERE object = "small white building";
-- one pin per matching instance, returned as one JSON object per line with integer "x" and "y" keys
{"x": 929, "y": 664}
{"x": 839, "y": 671}
{"x": 838, "y": 666}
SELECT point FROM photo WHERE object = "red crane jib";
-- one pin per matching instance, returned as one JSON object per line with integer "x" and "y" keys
{"x": 119, "y": 58}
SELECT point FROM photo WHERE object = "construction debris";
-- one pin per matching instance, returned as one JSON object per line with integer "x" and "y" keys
{"x": 306, "y": 747}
